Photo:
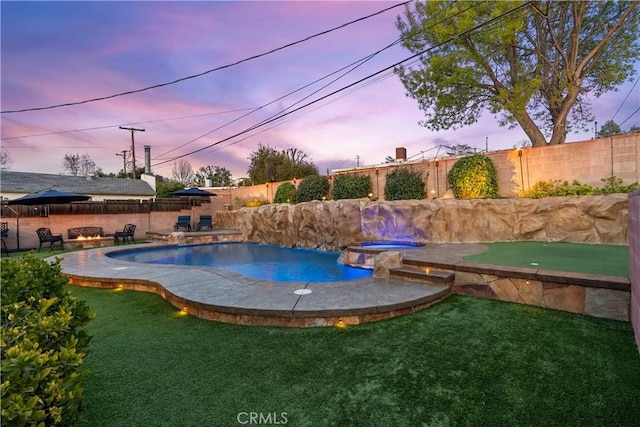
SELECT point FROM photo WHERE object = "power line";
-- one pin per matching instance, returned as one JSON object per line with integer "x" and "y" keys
{"x": 631, "y": 115}
{"x": 264, "y": 122}
{"x": 354, "y": 64}
{"x": 102, "y": 98}
{"x": 624, "y": 100}
{"x": 123, "y": 124}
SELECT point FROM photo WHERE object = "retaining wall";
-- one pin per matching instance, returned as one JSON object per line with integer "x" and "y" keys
{"x": 634, "y": 262}
{"x": 333, "y": 225}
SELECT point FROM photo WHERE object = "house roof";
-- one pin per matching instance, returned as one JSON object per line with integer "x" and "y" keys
{"x": 29, "y": 182}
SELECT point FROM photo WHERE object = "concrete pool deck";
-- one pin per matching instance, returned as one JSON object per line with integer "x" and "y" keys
{"x": 219, "y": 294}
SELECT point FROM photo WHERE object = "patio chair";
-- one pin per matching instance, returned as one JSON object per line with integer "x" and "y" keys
{"x": 4, "y": 233}
{"x": 45, "y": 236}
{"x": 125, "y": 235}
{"x": 205, "y": 222}
{"x": 184, "y": 221}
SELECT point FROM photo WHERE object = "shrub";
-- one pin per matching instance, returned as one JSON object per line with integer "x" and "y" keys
{"x": 254, "y": 203}
{"x": 404, "y": 184}
{"x": 351, "y": 187}
{"x": 43, "y": 346}
{"x": 554, "y": 188}
{"x": 286, "y": 193}
{"x": 474, "y": 177}
{"x": 613, "y": 184}
{"x": 312, "y": 187}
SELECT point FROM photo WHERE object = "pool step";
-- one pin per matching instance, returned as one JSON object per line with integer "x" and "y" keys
{"x": 422, "y": 274}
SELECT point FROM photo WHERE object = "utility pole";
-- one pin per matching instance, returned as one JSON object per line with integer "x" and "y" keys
{"x": 123, "y": 154}
{"x": 133, "y": 147}
{"x": 357, "y": 161}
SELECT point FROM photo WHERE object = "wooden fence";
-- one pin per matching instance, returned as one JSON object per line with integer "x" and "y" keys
{"x": 103, "y": 207}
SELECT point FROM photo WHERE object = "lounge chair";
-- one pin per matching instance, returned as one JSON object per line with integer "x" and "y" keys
{"x": 205, "y": 222}
{"x": 4, "y": 233}
{"x": 45, "y": 236}
{"x": 184, "y": 221}
{"x": 125, "y": 235}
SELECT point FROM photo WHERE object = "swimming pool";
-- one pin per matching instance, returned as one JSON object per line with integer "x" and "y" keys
{"x": 390, "y": 245}
{"x": 263, "y": 262}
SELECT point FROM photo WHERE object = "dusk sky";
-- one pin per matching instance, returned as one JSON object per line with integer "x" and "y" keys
{"x": 64, "y": 52}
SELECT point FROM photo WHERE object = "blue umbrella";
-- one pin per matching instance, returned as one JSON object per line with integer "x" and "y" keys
{"x": 44, "y": 197}
{"x": 195, "y": 191}
{"x": 49, "y": 196}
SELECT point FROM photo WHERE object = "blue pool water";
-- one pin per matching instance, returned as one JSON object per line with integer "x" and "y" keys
{"x": 262, "y": 262}
{"x": 390, "y": 245}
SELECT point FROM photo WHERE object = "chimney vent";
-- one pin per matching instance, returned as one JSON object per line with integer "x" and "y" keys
{"x": 147, "y": 159}
{"x": 401, "y": 153}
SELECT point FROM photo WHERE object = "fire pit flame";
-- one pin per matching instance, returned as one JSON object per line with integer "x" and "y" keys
{"x": 89, "y": 238}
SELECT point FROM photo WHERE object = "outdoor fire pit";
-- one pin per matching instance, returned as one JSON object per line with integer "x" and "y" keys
{"x": 87, "y": 237}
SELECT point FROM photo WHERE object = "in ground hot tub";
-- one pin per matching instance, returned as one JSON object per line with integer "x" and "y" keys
{"x": 363, "y": 254}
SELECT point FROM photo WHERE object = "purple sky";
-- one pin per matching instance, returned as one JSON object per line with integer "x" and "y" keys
{"x": 63, "y": 52}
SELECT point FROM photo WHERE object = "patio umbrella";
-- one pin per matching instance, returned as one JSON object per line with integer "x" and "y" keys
{"x": 49, "y": 196}
{"x": 195, "y": 191}
{"x": 44, "y": 197}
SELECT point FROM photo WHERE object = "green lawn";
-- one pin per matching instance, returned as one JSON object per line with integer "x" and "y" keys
{"x": 581, "y": 258}
{"x": 465, "y": 361}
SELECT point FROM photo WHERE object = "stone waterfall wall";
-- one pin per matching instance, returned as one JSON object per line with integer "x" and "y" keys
{"x": 333, "y": 225}
{"x": 634, "y": 262}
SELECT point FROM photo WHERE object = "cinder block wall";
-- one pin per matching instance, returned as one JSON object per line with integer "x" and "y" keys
{"x": 586, "y": 161}
{"x": 634, "y": 262}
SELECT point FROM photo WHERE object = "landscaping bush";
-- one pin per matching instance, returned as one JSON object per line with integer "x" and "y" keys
{"x": 351, "y": 187}
{"x": 42, "y": 345}
{"x": 286, "y": 193}
{"x": 312, "y": 187}
{"x": 554, "y": 188}
{"x": 474, "y": 177}
{"x": 614, "y": 185}
{"x": 254, "y": 203}
{"x": 404, "y": 184}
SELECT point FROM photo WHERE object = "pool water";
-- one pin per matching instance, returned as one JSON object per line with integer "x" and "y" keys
{"x": 390, "y": 245}
{"x": 263, "y": 262}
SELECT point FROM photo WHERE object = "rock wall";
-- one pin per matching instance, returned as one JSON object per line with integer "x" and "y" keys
{"x": 333, "y": 225}
{"x": 634, "y": 262}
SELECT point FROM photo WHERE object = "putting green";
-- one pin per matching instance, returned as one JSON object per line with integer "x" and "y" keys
{"x": 610, "y": 260}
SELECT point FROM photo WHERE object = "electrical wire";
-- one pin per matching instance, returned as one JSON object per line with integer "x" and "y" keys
{"x": 631, "y": 115}
{"x": 624, "y": 100}
{"x": 470, "y": 30}
{"x": 354, "y": 64}
{"x": 102, "y": 98}
{"x": 122, "y": 124}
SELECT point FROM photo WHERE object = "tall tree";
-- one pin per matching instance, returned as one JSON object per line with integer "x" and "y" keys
{"x": 268, "y": 164}
{"x": 609, "y": 128}
{"x": 536, "y": 66}
{"x": 219, "y": 176}
{"x": 80, "y": 165}
{"x": 5, "y": 158}
{"x": 182, "y": 172}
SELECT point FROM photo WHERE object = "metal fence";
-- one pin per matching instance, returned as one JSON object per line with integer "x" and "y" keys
{"x": 102, "y": 208}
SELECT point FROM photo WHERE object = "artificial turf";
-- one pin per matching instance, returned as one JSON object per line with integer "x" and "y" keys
{"x": 575, "y": 257}
{"x": 464, "y": 361}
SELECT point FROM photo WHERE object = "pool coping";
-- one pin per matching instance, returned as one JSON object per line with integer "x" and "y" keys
{"x": 222, "y": 295}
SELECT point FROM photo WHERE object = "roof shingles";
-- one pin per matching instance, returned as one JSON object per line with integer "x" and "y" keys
{"x": 29, "y": 182}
